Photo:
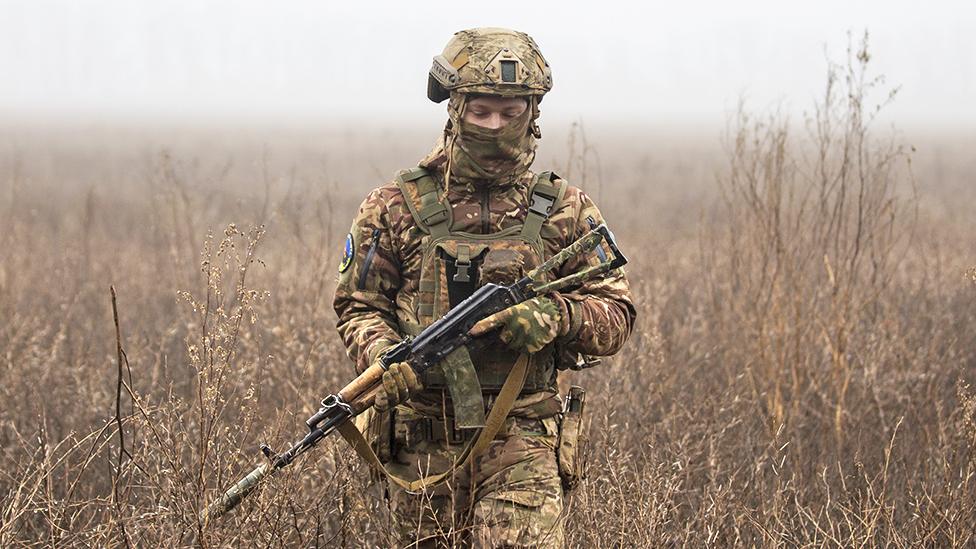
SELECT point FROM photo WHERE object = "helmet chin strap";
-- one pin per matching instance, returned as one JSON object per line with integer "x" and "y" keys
{"x": 533, "y": 127}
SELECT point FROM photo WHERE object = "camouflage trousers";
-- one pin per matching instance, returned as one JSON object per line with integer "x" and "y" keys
{"x": 509, "y": 496}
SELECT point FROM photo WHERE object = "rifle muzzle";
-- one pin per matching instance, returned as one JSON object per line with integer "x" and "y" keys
{"x": 236, "y": 493}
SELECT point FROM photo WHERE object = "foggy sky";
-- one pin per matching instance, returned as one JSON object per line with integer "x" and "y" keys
{"x": 324, "y": 62}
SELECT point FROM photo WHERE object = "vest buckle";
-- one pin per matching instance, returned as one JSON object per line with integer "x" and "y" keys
{"x": 462, "y": 263}
{"x": 541, "y": 204}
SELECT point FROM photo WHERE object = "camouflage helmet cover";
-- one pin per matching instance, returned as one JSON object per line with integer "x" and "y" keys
{"x": 490, "y": 61}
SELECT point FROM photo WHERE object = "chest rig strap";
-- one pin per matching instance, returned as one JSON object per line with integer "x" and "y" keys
{"x": 432, "y": 215}
{"x": 544, "y": 198}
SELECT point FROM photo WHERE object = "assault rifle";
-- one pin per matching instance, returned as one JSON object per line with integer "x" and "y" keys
{"x": 427, "y": 349}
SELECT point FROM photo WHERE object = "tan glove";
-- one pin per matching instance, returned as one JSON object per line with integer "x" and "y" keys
{"x": 399, "y": 384}
{"x": 528, "y": 326}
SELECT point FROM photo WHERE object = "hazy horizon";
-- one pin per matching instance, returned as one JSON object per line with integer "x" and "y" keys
{"x": 115, "y": 63}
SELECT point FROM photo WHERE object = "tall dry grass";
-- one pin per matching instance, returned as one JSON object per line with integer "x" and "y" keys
{"x": 800, "y": 374}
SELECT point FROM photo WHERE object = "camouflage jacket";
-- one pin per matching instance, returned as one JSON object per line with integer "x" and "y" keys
{"x": 379, "y": 279}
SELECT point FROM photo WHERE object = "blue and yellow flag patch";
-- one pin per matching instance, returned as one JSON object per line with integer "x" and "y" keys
{"x": 347, "y": 255}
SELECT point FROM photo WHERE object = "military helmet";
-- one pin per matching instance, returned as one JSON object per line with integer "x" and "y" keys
{"x": 490, "y": 61}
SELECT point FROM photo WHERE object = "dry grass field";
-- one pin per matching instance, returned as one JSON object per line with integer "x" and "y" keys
{"x": 801, "y": 374}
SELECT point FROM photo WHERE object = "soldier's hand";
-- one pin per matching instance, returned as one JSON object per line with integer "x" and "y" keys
{"x": 399, "y": 384}
{"x": 528, "y": 326}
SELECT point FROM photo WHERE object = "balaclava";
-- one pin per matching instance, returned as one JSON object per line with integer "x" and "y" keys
{"x": 483, "y": 156}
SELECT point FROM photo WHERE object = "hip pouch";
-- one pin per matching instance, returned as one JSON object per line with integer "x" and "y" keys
{"x": 571, "y": 450}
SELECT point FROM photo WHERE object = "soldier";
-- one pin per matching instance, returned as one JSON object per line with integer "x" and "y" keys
{"x": 472, "y": 212}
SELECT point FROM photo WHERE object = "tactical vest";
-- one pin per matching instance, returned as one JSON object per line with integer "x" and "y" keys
{"x": 455, "y": 264}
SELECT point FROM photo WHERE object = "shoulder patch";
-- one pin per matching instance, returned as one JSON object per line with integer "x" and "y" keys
{"x": 347, "y": 255}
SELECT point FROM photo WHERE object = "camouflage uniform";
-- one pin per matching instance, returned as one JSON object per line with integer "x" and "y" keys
{"x": 510, "y": 495}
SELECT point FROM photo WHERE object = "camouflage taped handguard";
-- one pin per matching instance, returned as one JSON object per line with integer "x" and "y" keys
{"x": 236, "y": 493}
{"x": 584, "y": 244}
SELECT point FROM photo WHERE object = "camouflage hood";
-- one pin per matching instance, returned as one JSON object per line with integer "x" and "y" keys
{"x": 481, "y": 156}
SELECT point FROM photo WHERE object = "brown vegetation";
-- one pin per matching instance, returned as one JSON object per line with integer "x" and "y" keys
{"x": 800, "y": 374}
